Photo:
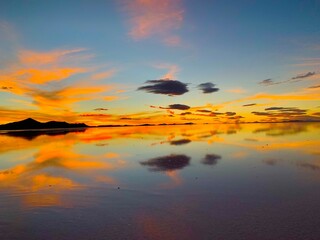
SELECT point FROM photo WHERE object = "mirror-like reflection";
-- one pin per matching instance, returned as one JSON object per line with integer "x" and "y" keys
{"x": 211, "y": 159}
{"x": 167, "y": 163}
{"x": 166, "y": 182}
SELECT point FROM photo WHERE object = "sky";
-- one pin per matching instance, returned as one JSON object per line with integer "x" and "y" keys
{"x": 152, "y": 61}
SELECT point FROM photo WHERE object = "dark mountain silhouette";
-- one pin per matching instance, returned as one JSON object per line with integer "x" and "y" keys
{"x": 30, "y": 123}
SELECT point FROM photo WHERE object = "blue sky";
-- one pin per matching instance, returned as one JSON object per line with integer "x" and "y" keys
{"x": 232, "y": 44}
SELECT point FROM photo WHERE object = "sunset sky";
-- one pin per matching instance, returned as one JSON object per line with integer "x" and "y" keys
{"x": 160, "y": 61}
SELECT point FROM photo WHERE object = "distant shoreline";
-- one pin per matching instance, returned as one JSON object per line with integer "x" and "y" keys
{"x": 73, "y": 127}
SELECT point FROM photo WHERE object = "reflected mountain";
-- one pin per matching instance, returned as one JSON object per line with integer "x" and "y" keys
{"x": 30, "y": 135}
{"x": 167, "y": 163}
{"x": 30, "y": 123}
{"x": 211, "y": 159}
{"x": 180, "y": 142}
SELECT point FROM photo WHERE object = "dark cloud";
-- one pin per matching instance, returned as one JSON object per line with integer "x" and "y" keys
{"x": 290, "y": 110}
{"x": 94, "y": 115}
{"x": 214, "y": 114}
{"x": 267, "y": 114}
{"x": 286, "y": 114}
{"x": 204, "y": 111}
{"x": 185, "y": 113}
{"x": 173, "y": 107}
{"x": 316, "y": 113}
{"x": 274, "y": 108}
{"x": 262, "y": 113}
{"x": 249, "y": 105}
{"x": 166, "y": 87}
{"x": 101, "y": 109}
{"x": 6, "y": 88}
{"x": 316, "y": 86}
{"x": 267, "y": 82}
{"x": 230, "y": 113}
{"x": 208, "y": 87}
{"x": 179, "y": 106}
{"x": 126, "y": 118}
{"x": 211, "y": 159}
{"x": 167, "y": 163}
{"x": 180, "y": 142}
{"x": 235, "y": 117}
{"x": 308, "y": 74}
{"x": 217, "y": 113}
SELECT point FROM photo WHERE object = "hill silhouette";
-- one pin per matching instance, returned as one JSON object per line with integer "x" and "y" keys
{"x": 30, "y": 123}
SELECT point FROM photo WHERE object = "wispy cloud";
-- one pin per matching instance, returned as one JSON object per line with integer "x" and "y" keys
{"x": 249, "y": 104}
{"x": 172, "y": 70}
{"x": 315, "y": 86}
{"x": 297, "y": 78}
{"x": 285, "y": 114}
{"x": 267, "y": 82}
{"x": 40, "y": 76}
{"x": 35, "y": 75}
{"x": 43, "y": 58}
{"x": 304, "y": 75}
{"x": 103, "y": 75}
{"x": 303, "y": 95}
{"x": 110, "y": 98}
{"x": 153, "y": 18}
{"x": 63, "y": 98}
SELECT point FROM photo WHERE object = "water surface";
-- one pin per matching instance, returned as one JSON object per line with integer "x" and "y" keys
{"x": 250, "y": 181}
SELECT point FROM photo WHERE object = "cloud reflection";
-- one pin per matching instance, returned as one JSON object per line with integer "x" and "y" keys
{"x": 210, "y": 159}
{"x": 180, "y": 142}
{"x": 167, "y": 163}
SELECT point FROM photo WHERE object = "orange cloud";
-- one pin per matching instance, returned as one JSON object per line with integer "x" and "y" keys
{"x": 63, "y": 98}
{"x": 236, "y": 90}
{"x": 42, "y": 181}
{"x": 41, "y": 76}
{"x": 155, "y": 18}
{"x": 171, "y": 68}
{"x": 43, "y": 58}
{"x": 110, "y": 98}
{"x": 284, "y": 97}
{"x": 103, "y": 75}
{"x": 33, "y": 74}
{"x": 298, "y": 96}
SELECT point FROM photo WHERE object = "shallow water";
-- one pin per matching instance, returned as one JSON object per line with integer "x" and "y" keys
{"x": 251, "y": 181}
